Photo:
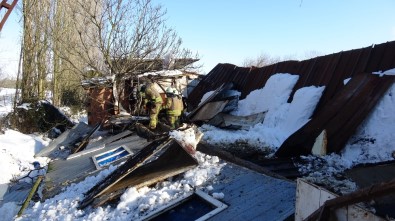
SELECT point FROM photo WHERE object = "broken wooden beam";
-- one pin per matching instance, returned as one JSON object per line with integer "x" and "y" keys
{"x": 374, "y": 191}
{"x": 207, "y": 149}
{"x": 86, "y": 139}
{"x": 173, "y": 160}
{"x": 125, "y": 169}
{"x": 30, "y": 196}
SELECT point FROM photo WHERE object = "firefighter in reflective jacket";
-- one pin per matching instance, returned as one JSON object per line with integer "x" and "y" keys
{"x": 153, "y": 102}
{"x": 174, "y": 107}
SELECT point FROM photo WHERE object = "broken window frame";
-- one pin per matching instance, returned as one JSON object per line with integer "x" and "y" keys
{"x": 219, "y": 206}
{"x": 97, "y": 162}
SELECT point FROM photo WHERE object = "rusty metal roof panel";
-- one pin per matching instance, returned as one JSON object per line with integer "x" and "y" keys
{"x": 330, "y": 68}
{"x": 344, "y": 70}
{"x": 353, "y": 62}
{"x": 263, "y": 76}
{"x": 388, "y": 59}
{"x": 288, "y": 67}
{"x": 340, "y": 116}
{"x": 309, "y": 73}
{"x": 253, "y": 82}
{"x": 329, "y": 71}
{"x": 210, "y": 82}
{"x": 304, "y": 67}
{"x": 240, "y": 78}
{"x": 336, "y": 81}
{"x": 363, "y": 59}
{"x": 377, "y": 55}
{"x": 351, "y": 110}
{"x": 317, "y": 71}
{"x": 366, "y": 104}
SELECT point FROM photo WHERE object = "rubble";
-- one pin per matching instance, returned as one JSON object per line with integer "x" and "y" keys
{"x": 130, "y": 160}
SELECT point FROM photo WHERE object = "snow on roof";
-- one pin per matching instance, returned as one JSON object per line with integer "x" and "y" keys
{"x": 282, "y": 118}
{"x": 163, "y": 73}
{"x": 97, "y": 81}
{"x": 388, "y": 72}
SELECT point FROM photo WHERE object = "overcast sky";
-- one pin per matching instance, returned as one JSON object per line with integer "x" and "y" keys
{"x": 229, "y": 31}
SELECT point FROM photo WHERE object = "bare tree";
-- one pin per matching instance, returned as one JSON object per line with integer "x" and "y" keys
{"x": 66, "y": 73}
{"x": 312, "y": 54}
{"x": 260, "y": 61}
{"x": 75, "y": 39}
{"x": 36, "y": 41}
{"x": 114, "y": 38}
{"x": 264, "y": 59}
{"x": 117, "y": 37}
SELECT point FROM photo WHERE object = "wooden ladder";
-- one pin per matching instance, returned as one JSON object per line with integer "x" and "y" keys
{"x": 8, "y": 8}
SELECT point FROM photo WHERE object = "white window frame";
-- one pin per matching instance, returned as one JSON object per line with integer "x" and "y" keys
{"x": 216, "y": 203}
{"x": 97, "y": 162}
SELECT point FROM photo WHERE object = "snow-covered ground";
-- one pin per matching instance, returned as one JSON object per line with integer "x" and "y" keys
{"x": 7, "y": 96}
{"x": 17, "y": 151}
{"x": 282, "y": 119}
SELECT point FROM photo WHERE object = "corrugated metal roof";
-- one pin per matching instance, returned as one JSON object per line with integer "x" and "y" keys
{"x": 341, "y": 108}
{"x": 329, "y": 70}
{"x": 340, "y": 116}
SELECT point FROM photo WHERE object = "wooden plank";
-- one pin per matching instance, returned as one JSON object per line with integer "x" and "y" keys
{"x": 30, "y": 196}
{"x": 310, "y": 196}
{"x": 86, "y": 139}
{"x": 205, "y": 148}
{"x": 358, "y": 214}
{"x": 308, "y": 200}
{"x": 361, "y": 195}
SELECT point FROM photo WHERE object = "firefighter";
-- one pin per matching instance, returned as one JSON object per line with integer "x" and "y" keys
{"x": 153, "y": 102}
{"x": 174, "y": 107}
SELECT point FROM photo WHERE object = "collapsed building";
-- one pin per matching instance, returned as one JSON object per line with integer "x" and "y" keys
{"x": 141, "y": 162}
{"x": 108, "y": 97}
{"x": 341, "y": 108}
